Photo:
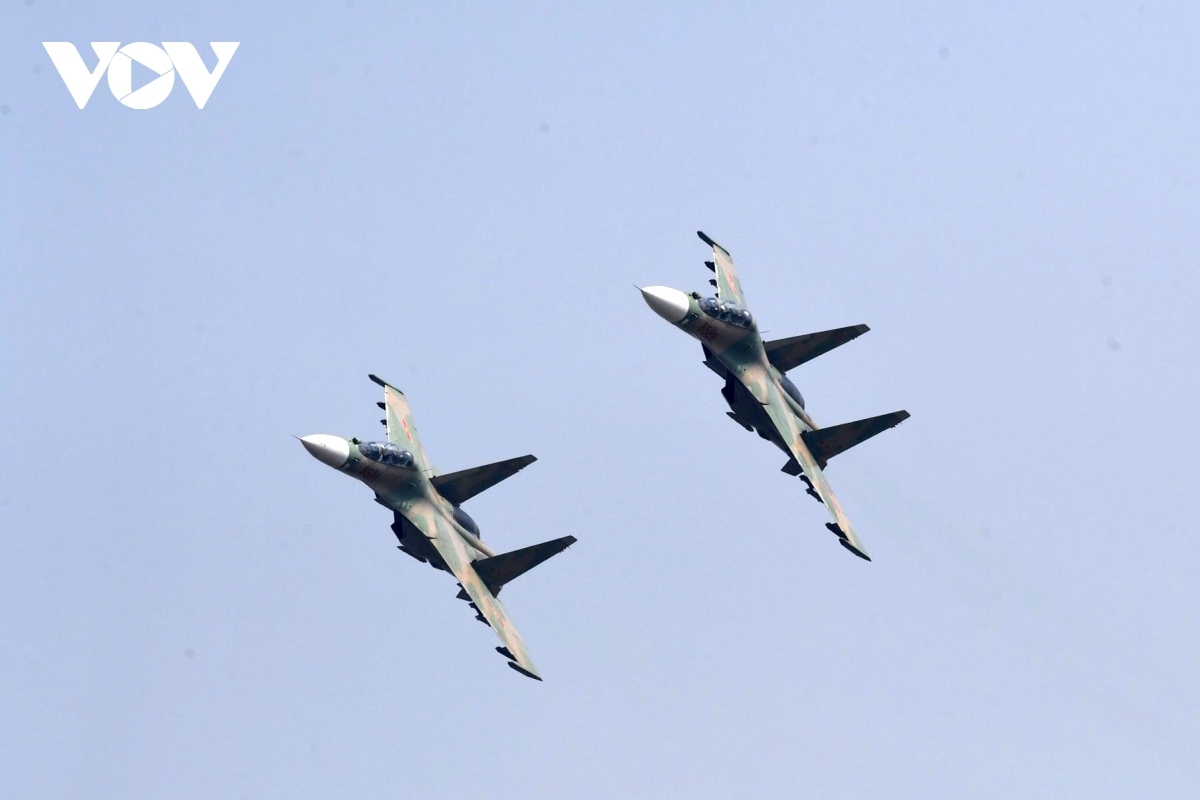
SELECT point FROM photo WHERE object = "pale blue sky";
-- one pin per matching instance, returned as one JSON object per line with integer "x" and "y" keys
{"x": 461, "y": 199}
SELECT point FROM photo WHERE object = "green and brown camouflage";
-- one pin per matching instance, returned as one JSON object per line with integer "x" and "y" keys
{"x": 760, "y": 395}
{"x": 430, "y": 523}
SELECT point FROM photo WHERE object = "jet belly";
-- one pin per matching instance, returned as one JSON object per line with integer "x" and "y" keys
{"x": 423, "y": 514}
{"x": 414, "y": 542}
{"x": 431, "y": 515}
{"x": 747, "y": 410}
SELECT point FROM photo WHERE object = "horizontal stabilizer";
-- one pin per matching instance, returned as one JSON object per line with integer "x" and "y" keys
{"x": 785, "y": 354}
{"x": 499, "y": 570}
{"x": 458, "y": 487}
{"x": 825, "y": 443}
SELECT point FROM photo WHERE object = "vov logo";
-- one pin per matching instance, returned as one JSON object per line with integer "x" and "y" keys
{"x": 172, "y": 57}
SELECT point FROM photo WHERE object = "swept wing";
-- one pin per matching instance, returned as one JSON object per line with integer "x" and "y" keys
{"x": 728, "y": 285}
{"x": 494, "y": 613}
{"x": 792, "y": 434}
{"x": 401, "y": 430}
{"x": 454, "y": 552}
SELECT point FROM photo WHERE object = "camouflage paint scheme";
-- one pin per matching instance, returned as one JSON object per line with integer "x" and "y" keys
{"x": 754, "y": 373}
{"x": 432, "y": 528}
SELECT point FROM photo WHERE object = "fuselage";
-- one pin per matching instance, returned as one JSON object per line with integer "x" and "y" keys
{"x": 761, "y": 397}
{"x": 733, "y": 349}
{"x": 428, "y": 518}
{"x": 400, "y": 485}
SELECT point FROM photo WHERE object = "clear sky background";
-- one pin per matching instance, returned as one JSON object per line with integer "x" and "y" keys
{"x": 461, "y": 199}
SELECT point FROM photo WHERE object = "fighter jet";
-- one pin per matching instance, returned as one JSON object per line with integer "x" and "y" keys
{"x": 761, "y": 397}
{"x": 429, "y": 520}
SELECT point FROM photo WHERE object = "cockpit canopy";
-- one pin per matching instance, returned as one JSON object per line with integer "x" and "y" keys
{"x": 387, "y": 453}
{"x": 727, "y": 311}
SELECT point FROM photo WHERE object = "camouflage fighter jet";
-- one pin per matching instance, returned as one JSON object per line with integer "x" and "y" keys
{"x": 761, "y": 397}
{"x": 429, "y": 520}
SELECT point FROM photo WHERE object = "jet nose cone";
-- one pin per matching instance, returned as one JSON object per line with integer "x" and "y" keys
{"x": 670, "y": 304}
{"x": 331, "y": 450}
